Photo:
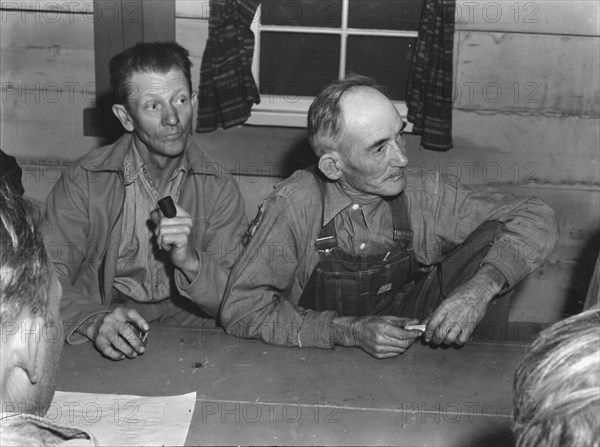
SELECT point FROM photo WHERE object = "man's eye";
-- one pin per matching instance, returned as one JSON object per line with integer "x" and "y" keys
{"x": 152, "y": 106}
{"x": 183, "y": 100}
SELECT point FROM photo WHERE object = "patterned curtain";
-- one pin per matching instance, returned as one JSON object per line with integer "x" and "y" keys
{"x": 429, "y": 98}
{"x": 227, "y": 87}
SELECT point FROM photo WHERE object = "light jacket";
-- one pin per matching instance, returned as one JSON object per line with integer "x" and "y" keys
{"x": 84, "y": 212}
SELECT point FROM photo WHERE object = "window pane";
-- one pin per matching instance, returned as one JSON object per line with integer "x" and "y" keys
{"x": 386, "y": 59}
{"x": 295, "y": 64}
{"x": 324, "y": 13}
{"x": 386, "y": 14}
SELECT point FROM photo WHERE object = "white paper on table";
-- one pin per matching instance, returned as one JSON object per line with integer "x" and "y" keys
{"x": 123, "y": 420}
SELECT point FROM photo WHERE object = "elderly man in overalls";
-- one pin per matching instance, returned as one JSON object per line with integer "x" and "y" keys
{"x": 361, "y": 251}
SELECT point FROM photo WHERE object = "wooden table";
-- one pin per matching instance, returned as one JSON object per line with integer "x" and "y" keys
{"x": 249, "y": 392}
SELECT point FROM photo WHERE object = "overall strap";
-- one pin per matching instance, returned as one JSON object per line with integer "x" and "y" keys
{"x": 327, "y": 238}
{"x": 401, "y": 219}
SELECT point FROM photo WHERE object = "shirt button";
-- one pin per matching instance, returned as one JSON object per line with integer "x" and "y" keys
{"x": 355, "y": 206}
{"x": 362, "y": 246}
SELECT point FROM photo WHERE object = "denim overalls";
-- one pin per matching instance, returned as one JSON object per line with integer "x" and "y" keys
{"x": 357, "y": 285}
{"x": 394, "y": 283}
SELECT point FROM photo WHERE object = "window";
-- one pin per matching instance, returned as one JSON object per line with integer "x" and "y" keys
{"x": 302, "y": 45}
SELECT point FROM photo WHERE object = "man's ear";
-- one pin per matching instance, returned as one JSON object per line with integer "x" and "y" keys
{"x": 26, "y": 347}
{"x": 123, "y": 116}
{"x": 194, "y": 98}
{"x": 329, "y": 165}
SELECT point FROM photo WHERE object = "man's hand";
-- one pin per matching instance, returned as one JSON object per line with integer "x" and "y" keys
{"x": 174, "y": 236}
{"x": 458, "y": 315}
{"x": 115, "y": 334}
{"x": 380, "y": 336}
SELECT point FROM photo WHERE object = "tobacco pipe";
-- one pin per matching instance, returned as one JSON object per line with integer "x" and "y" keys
{"x": 167, "y": 207}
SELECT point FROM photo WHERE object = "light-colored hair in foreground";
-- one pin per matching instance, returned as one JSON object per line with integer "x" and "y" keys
{"x": 24, "y": 264}
{"x": 325, "y": 115}
{"x": 557, "y": 385}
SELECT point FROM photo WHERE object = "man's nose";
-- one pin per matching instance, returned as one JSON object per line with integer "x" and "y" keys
{"x": 400, "y": 158}
{"x": 170, "y": 116}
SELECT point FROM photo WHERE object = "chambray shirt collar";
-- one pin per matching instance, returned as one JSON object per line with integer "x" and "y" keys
{"x": 134, "y": 165}
{"x": 334, "y": 201}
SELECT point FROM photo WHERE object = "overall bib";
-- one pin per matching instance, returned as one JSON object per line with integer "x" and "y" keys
{"x": 357, "y": 285}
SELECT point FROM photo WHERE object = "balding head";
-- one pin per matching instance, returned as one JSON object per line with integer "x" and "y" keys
{"x": 325, "y": 117}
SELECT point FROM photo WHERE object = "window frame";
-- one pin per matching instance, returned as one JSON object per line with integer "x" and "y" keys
{"x": 275, "y": 110}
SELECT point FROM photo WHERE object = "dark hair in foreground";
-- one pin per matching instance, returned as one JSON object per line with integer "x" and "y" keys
{"x": 324, "y": 115}
{"x": 149, "y": 57}
{"x": 557, "y": 385}
{"x": 24, "y": 265}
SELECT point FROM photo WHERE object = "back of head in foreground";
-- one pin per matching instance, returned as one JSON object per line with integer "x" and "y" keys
{"x": 557, "y": 385}
{"x": 29, "y": 310}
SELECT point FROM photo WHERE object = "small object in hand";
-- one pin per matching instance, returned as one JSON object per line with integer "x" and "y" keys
{"x": 140, "y": 333}
{"x": 167, "y": 207}
{"x": 415, "y": 327}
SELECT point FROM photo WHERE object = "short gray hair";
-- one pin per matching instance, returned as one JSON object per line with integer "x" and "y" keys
{"x": 325, "y": 115}
{"x": 24, "y": 264}
{"x": 557, "y": 385}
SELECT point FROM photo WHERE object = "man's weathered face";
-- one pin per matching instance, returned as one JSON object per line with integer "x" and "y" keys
{"x": 22, "y": 391}
{"x": 372, "y": 150}
{"x": 160, "y": 107}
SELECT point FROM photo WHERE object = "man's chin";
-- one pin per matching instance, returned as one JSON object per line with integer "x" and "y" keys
{"x": 394, "y": 189}
{"x": 174, "y": 149}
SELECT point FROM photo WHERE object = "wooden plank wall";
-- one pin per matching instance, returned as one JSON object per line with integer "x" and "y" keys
{"x": 47, "y": 68}
{"x": 526, "y": 115}
{"x": 527, "y": 96}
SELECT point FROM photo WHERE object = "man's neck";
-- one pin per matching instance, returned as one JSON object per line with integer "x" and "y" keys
{"x": 160, "y": 168}
{"x": 357, "y": 196}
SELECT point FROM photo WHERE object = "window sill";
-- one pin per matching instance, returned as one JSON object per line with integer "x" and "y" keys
{"x": 292, "y": 112}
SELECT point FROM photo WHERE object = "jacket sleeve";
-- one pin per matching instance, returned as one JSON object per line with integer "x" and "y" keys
{"x": 218, "y": 248}
{"x": 261, "y": 299}
{"x": 75, "y": 258}
{"x": 444, "y": 213}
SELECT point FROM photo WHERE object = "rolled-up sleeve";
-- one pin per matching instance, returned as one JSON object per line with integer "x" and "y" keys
{"x": 444, "y": 213}
{"x": 261, "y": 298}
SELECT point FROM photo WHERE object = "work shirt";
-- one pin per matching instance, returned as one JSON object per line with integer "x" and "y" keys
{"x": 144, "y": 273}
{"x": 267, "y": 282}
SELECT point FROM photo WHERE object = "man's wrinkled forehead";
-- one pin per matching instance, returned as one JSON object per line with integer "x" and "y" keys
{"x": 143, "y": 84}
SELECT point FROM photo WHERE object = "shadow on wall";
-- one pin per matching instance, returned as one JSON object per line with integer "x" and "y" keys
{"x": 499, "y": 435}
{"x": 582, "y": 276}
{"x": 300, "y": 156}
{"x": 100, "y": 121}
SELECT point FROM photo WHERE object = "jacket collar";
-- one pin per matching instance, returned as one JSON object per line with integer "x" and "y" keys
{"x": 112, "y": 158}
